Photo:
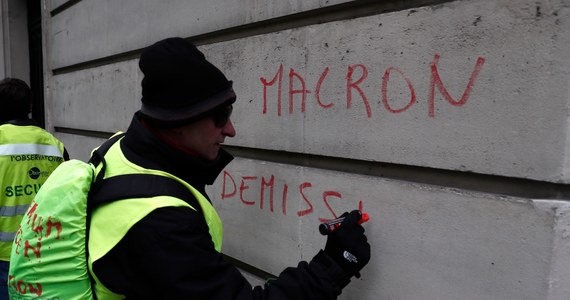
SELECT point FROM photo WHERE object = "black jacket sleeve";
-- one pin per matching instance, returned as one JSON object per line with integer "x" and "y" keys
{"x": 170, "y": 255}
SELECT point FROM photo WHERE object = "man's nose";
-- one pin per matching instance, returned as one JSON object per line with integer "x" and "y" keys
{"x": 228, "y": 129}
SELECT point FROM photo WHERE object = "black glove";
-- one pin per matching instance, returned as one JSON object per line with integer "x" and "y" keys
{"x": 348, "y": 246}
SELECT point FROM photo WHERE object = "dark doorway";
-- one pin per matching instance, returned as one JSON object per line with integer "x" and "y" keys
{"x": 36, "y": 60}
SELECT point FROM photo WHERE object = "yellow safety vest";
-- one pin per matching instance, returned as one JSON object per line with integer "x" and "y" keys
{"x": 110, "y": 222}
{"x": 28, "y": 155}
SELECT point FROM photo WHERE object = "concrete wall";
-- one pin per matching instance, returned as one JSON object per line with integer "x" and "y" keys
{"x": 14, "y": 55}
{"x": 445, "y": 120}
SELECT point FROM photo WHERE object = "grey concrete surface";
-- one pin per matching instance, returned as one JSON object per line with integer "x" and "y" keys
{"x": 112, "y": 92}
{"x": 118, "y": 26}
{"x": 428, "y": 242}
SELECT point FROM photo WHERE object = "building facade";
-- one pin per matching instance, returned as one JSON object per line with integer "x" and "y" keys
{"x": 446, "y": 121}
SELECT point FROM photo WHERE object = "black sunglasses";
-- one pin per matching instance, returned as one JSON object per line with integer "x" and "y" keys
{"x": 222, "y": 115}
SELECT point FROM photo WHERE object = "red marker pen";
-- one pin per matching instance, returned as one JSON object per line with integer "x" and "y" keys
{"x": 331, "y": 226}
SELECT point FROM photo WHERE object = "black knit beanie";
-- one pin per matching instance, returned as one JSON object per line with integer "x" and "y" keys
{"x": 179, "y": 84}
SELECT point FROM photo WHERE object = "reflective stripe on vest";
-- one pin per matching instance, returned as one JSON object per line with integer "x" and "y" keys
{"x": 7, "y": 237}
{"x": 39, "y": 149}
{"x": 122, "y": 215}
{"x": 10, "y": 211}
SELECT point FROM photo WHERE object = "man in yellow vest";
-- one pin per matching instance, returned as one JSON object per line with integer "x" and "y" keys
{"x": 28, "y": 155}
{"x": 168, "y": 248}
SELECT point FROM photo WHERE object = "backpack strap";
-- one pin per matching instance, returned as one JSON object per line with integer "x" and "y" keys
{"x": 106, "y": 190}
{"x": 98, "y": 155}
{"x": 140, "y": 186}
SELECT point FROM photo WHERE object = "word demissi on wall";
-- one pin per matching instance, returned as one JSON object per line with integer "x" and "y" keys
{"x": 253, "y": 191}
{"x": 297, "y": 87}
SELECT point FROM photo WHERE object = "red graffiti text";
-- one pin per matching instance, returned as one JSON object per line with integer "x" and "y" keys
{"x": 356, "y": 75}
{"x": 42, "y": 229}
{"x": 24, "y": 287}
{"x": 262, "y": 191}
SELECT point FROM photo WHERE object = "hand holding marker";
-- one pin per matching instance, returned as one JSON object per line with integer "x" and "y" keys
{"x": 346, "y": 242}
{"x": 331, "y": 226}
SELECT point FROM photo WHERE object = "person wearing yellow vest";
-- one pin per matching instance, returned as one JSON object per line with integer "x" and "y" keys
{"x": 169, "y": 248}
{"x": 28, "y": 155}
